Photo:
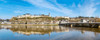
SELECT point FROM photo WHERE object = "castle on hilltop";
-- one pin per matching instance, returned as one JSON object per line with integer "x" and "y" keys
{"x": 32, "y": 16}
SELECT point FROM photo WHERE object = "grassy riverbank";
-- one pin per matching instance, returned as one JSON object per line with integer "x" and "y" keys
{"x": 33, "y": 24}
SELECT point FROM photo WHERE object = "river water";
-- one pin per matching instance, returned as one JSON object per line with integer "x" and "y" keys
{"x": 22, "y": 32}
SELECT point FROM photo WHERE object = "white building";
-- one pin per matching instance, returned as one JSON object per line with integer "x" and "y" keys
{"x": 84, "y": 20}
{"x": 32, "y": 16}
{"x": 66, "y": 17}
{"x": 62, "y": 17}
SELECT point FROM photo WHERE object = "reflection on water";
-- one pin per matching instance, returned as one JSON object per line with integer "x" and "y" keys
{"x": 28, "y": 30}
{"x": 22, "y": 32}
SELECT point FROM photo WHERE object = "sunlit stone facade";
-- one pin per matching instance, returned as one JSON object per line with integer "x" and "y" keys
{"x": 32, "y": 16}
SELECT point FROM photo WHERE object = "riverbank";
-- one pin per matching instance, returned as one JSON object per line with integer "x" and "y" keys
{"x": 33, "y": 24}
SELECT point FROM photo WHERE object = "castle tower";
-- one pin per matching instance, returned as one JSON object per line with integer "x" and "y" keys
{"x": 49, "y": 14}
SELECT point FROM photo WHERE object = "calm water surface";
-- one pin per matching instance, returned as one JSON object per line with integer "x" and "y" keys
{"x": 8, "y": 32}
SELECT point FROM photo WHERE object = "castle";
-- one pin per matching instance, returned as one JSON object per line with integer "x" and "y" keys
{"x": 32, "y": 16}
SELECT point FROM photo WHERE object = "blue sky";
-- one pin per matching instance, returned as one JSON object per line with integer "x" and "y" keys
{"x": 71, "y": 8}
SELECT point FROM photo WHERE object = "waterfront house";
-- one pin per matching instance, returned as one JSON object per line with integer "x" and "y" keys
{"x": 84, "y": 20}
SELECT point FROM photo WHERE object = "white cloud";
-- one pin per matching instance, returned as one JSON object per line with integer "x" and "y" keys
{"x": 18, "y": 11}
{"x": 48, "y": 5}
{"x": 88, "y": 8}
{"x": 97, "y": 3}
{"x": 79, "y": 5}
{"x": 73, "y": 5}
